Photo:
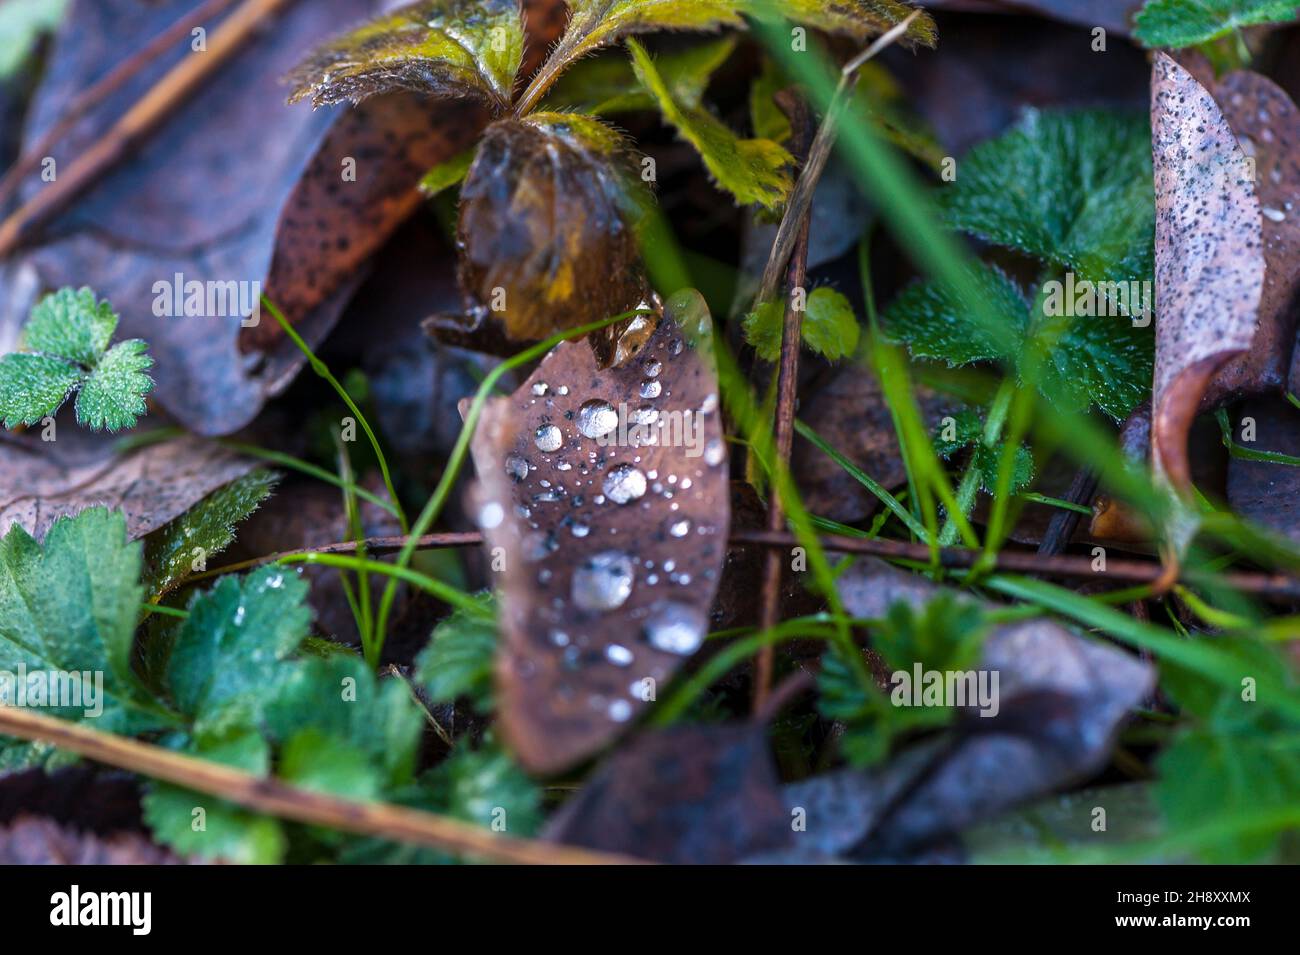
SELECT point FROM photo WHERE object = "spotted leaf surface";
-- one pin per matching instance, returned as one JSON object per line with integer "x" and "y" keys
{"x": 447, "y": 47}
{"x": 606, "y": 492}
{"x": 1209, "y": 254}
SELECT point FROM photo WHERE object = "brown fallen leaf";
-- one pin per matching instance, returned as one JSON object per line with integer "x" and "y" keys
{"x": 1062, "y": 699}
{"x": 1209, "y": 256}
{"x": 42, "y": 481}
{"x": 296, "y": 215}
{"x": 30, "y": 840}
{"x": 1267, "y": 493}
{"x": 547, "y": 220}
{"x": 690, "y": 795}
{"x": 1267, "y": 126}
{"x": 850, "y": 413}
{"x": 612, "y": 545}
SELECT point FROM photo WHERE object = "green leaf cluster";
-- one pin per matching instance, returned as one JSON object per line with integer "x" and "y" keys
{"x": 65, "y": 349}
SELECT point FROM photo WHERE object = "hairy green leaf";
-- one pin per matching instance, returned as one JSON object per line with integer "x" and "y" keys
{"x": 829, "y": 327}
{"x": 1090, "y": 359}
{"x": 967, "y": 430}
{"x": 458, "y": 662}
{"x": 316, "y": 760}
{"x": 69, "y": 606}
{"x": 196, "y": 824}
{"x": 1176, "y": 23}
{"x": 444, "y": 47}
{"x": 183, "y": 545}
{"x": 226, "y": 660}
{"x": 66, "y": 342}
{"x": 447, "y": 174}
{"x": 755, "y": 171}
{"x": 1070, "y": 188}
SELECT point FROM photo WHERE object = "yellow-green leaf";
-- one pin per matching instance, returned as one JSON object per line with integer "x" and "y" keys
{"x": 444, "y": 47}
{"x": 755, "y": 171}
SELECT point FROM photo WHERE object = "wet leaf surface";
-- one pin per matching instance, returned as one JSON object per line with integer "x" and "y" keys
{"x": 611, "y": 552}
{"x": 691, "y": 795}
{"x": 1209, "y": 255}
{"x": 546, "y": 220}
{"x": 40, "y": 482}
{"x": 465, "y": 48}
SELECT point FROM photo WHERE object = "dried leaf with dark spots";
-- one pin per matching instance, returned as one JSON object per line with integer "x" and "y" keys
{"x": 42, "y": 481}
{"x": 1209, "y": 256}
{"x": 701, "y": 795}
{"x": 464, "y": 48}
{"x": 605, "y": 493}
{"x": 1267, "y": 125}
{"x": 547, "y": 220}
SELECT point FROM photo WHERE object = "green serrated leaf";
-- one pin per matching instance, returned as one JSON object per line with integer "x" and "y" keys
{"x": 33, "y": 386}
{"x": 71, "y": 324}
{"x": 444, "y": 47}
{"x": 204, "y": 530}
{"x": 69, "y": 606}
{"x": 1091, "y": 359}
{"x": 1070, "y": 188}
{"x": 226, "y": 660}
{"x": 319, "y": 761}
{"x": 967, "y": 430}
{"x": 935, "y": 323}
{"x": 459, "y": 660}
{"x": 488, "y": 788}
{"x": 1177, "y": 23}
{"x": 755, "y": 171}
{"x": 196, "y": 824}
{"x": 606, "y": 84}
{"x": 112, "y": 395}
{"x": 829, "y": 327}
{"x": 340, "y": 697}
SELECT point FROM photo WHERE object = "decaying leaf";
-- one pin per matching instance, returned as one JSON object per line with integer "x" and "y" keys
{"x": 687, "y": 795}
{"x": 850, "y": 413}
{"x": 1268, "y": 493}
{"x": 295, "y": 215}
{"x": 1209, "y": 256}
{"x": 465, "y": 48}
{"x": 42, "y": 481}
{"x": 1061, "y": 699}
{"x": 605, "y": 495}
{"x": 1267, "y": 126}
{"x": 31, "y": 840}
{"x": 547, "y": 221}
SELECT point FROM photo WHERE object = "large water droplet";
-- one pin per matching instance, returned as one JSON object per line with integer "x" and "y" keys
{"x": 597, "y": 418}
{"x": 624, "y": 483}
{"x": 540, "y": 388}
{"x": 675, "y": 628}
{"x": 715, "y": 452}
{"x": 618, "y": 655}
{"x": 548, "y": 438}
{"x": 653, "y": 367}
{"x": 680, "y": 528}
{"x": 603, "y": 581}
{"x": 651, "y": 388}
{"x": 491, "y": 515}
{"x": 516, "y": 467}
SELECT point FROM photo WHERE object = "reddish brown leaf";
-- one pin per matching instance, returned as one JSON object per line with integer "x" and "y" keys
{"x": 41, "y": 481}
{"x": 691, "y": 795}
{"x": 1209, "y": 256}
{"x": 612, "y": 553}
{"x": 30, "y": 840}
